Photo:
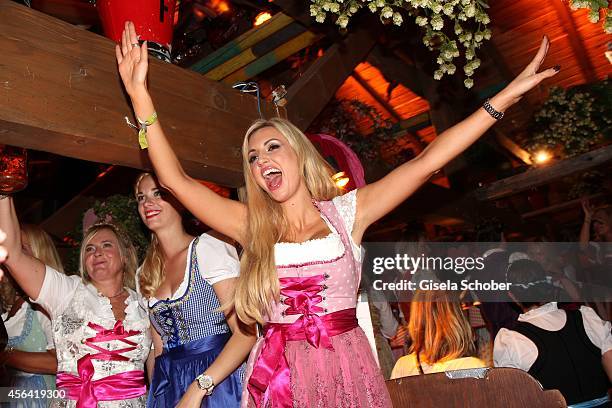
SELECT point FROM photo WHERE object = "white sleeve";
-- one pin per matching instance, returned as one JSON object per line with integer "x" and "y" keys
{"x": 597, "y": 330}
{"x": 57, "y": 291}
{"x": 45, "y": 324}
{"x": 346, "y": 205}
{"x": 512, "y": 349}
{"x": 217, "y": 260}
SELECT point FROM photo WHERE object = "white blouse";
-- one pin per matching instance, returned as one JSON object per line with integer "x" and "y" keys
{"x": 512, "y": 349}
{"x": 326, "y": 248}
{"x": 72, "y": 305}
{"x": 217, "y": 261}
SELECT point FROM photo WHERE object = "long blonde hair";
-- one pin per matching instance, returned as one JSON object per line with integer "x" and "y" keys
{"x": 258, "y": 285}
{"x": 438, "y": 328}
{"x": 152, "y": 271}
{"x": 126, "y": 249}
{"x": 42, "y": 246}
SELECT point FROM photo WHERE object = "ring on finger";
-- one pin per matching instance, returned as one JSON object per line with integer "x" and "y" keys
{"x": 135, "y": 44}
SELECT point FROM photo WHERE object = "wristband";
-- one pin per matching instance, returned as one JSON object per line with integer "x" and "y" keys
{"x": 497, "y": 115}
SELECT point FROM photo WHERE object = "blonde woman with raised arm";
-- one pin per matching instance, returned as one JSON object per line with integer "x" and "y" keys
{"x": 301, "y": 264}
{"x": 101, "y": 334}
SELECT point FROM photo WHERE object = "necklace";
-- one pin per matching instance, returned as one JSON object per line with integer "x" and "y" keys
{"x": 118, "y": 294}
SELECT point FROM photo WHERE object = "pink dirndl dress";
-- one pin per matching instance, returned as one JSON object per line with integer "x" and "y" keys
{"x": 313, "y": 353}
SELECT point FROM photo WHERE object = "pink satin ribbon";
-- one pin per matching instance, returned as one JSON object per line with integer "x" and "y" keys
{"x": 88, "y": 392}
{"x": 270, "y": 380}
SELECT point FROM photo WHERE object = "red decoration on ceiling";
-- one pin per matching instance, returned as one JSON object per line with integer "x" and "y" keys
{"x": 154, "y": 19}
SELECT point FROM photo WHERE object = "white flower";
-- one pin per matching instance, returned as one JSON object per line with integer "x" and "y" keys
{"x": 437, "y": 23}
{"x": 478, "y": 36}
{"x": 327, "y": 5}
{"x": 458, "y": 28}
{"x": 381, "y": 3}
{"x": 421, "y": 21}
{"x": 386, "y": 12}
{"x": 320, "y": 17}
{"x": 342, "y": 20}
{"x": 469, "y": 82}
{"x": 448, "y": 9}
{"x": 314, "y": 10}
{"x": 397, "y": 18}
{"x": 486, "y": 34}
{"x": 483, "y": 18}
{"x": 468, "y": 70}
{"x": 438, "y": 75}
{"x": 475, "y": 63}
{"x": 372, "y": 6}
{"x": 461, "y": 16}
{"x": 334, "y": 8}
{"x": 353, "y": 9}
{"x": 436, "y": 7}
{"x": 594, "y": 16}
{"x": 451, "y": 68}
{"x": 469, "y": 54}
{"x": 470, "y": 11}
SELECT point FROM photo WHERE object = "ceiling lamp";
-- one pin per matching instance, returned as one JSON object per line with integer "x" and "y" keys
{"x": 341, "y": 179}
{"x": 542, "y": 157}
{"x": 262, "y": 18}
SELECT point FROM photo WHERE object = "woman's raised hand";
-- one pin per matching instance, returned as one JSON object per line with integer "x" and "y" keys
{"x": 132, "y": 60}
{"x": 530, "y": 77}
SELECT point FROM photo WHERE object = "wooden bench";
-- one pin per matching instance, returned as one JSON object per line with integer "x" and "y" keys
{"x": 479, "y": 388}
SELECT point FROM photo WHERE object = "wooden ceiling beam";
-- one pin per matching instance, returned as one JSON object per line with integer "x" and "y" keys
{"x": 307, "y": 97}
{"x": 379, "y": 99}
{"x": 543, "y": 175}
{"x": 60, "y": 92}
{"x": 516, "y": 150}
{"x": 575, "y": 39}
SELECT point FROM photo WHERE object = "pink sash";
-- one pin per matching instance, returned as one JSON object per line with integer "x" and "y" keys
{"x": 121, "y": 386}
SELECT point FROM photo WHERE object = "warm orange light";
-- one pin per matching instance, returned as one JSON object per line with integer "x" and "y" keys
{"x": 262, "y": 18}
{"x": 220, "y": 6}
{"x": 542, "y": 156}
{"x": 341, "y": 179}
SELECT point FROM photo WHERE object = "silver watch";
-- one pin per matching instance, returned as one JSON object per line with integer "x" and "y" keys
{"x": 206, "y": 383}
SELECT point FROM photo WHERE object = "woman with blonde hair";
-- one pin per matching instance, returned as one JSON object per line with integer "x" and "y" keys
{"x": 301, "y": 236}
{"x": 193, "y": 276}
{"x": 442, "y": 339}
{"x": 30, "y": 355}
{"x": 101, "y": 334}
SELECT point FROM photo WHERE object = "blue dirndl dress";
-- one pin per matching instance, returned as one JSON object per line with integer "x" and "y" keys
{"x": 193, "y": 333}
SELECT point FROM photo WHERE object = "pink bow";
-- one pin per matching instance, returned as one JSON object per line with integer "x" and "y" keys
{"x": 270, "y": 379}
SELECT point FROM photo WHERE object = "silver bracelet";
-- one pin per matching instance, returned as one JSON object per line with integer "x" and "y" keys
{"x": 497, "y": 115}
